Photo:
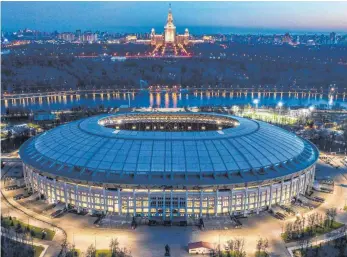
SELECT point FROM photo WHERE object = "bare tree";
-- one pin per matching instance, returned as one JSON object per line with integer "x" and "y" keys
{"x": 259, "y": 245}
{"x": 265, "y": 246}
{"x": 114, "y": 247}
{"x": 311, "y": 222}
{"x": 91, "y": 251}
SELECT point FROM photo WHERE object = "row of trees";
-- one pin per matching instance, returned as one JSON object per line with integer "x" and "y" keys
{"x": 262, "y": 247}
{"x": 69, "y": 250}
{"x": 24, "y": 231}
{"x": 114, "y": 248}
{"x": 236, "y": 248}
{"x": 303, "y": 226}
{"x": 17, "y": 242}
{"x": 323, "y": 249}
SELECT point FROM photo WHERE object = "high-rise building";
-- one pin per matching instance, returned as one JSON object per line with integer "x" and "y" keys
{"x": 78, "y": 35}
{"x": 170, "y": 29}
{"x": 66, "y": 36}
{"x": 333, "y": 38}
{"x": 169, "y": 36}
{"x": 89, "y": 37}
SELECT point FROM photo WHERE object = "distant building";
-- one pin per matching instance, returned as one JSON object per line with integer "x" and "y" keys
{"x": 44, "y": 116}
{"x": 333, "y": 38}
{"x": 89, "y": 37}
{"x": 131, "y": 38}
{"x": 200, "y": 248}
{"x": 66, "y": 36}
{"x": 169, "y": 36}
{"x": 287, "y": 39}
{"x": 78, "y": 35}
{"x": 207, "y": 38}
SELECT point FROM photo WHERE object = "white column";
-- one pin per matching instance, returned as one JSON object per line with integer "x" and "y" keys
{"x": 245, "y": 203}
{"x": 164, "y": 205}
{"x": 65, "y": 195}
{"x": 258, "y": 200}
{"x": 281, "y": 195}
{"x": 231, "y": 200}
{"x": 216, "y": 203}
{"x": 134, "y": 202}
{"x": 25, "y": 176}
{"x": 149, "y": 203}
{"x": 171, "y": 206}
{"x": 77, "y": 202}
{"x": 46, "y": 187}
{"x": 119, "y": 202}
{"x": 90, "y": 199}
{"x": 55, "y": 191}
{"x": 186, "y": 207}
{"x": 31, "y": 175}
{"x": 270, "y": 203}
{"x": 201, "y": 195}
{"x": 105, "y": 199}
{"x": 39, "y": 184}
{"x": 291, "y": 190}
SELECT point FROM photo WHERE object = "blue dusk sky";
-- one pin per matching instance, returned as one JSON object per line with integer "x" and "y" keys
{"x": 236, "y": 17}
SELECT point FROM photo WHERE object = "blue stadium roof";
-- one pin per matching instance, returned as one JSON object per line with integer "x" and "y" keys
{"x": 87, "y": 151}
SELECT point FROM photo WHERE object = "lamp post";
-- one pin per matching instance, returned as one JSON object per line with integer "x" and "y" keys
{"x": 280, "y": 104}
{"x": 256, "y": 102}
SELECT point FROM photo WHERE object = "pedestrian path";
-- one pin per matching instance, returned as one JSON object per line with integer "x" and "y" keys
{"x": 335, "y": 234}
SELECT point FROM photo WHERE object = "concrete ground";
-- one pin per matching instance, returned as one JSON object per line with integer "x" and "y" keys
{"x": 150, "y": 241}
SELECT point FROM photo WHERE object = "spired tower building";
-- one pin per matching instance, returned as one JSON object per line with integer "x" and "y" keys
{"x": 170, "y": 29}
{"x": 169, "y": 36}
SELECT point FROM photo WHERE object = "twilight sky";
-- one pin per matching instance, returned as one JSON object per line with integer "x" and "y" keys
{"x": 141, "y": 16}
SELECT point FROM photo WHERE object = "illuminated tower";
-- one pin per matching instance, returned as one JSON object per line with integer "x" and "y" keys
{"x": 170, "y": 29}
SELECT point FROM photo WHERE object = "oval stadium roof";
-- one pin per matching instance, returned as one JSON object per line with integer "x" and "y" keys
{"x": 86, "y": 151}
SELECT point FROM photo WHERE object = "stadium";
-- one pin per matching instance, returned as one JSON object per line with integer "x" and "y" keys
{"x": 168, "y": 165}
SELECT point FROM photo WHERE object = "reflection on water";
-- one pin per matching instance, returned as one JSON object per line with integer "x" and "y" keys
{"x": 172, "y": 99}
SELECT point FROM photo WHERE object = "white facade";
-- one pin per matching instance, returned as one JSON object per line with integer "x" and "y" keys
{"x": 200, "y": 250}
{"x": 232, "y": 199}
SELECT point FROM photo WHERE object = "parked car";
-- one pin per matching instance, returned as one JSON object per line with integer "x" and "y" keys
{"x": 18, "y": 197}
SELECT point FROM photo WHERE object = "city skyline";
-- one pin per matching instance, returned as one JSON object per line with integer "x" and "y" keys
{"x": 302, "y": 17}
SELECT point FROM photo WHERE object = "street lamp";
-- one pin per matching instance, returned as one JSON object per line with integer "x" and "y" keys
{"x": 280, "y": 104}
{"x": 256, "y": 102}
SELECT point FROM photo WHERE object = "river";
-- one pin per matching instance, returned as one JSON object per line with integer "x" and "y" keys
{"x": 167, "y": 100}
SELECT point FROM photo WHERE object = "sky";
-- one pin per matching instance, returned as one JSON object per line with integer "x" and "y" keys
{"x": 197, "y": 16}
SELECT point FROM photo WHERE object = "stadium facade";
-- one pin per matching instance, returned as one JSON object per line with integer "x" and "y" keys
{"x": 169, "y": 164}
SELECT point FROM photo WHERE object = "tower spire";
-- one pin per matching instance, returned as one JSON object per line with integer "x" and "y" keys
{"x": 169, "y": 16}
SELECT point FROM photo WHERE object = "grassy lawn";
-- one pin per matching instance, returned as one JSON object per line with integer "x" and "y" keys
{"x": 272, "y": 117}
{"x": 6, "y": 222}
{"x": 261, "y": 254}
{"x": 317, "y": 232}
{"x": 103, "y": 253}
{"x": 33, "y": 125}
{"x": 38, "y": 250}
